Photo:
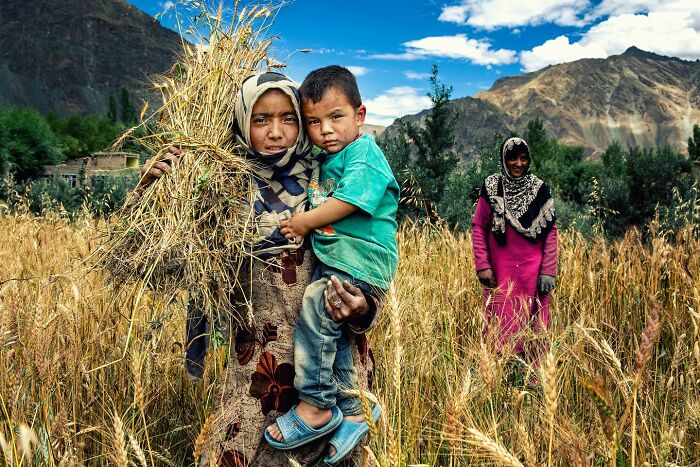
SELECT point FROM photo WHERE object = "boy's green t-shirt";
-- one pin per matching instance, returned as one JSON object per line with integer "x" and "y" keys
{"x": 364, "y": 243}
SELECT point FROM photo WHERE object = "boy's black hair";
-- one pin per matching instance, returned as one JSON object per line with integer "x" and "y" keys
{"x": 321, "y": 80}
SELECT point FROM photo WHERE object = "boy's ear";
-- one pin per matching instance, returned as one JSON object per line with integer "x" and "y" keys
{"x": 361, "y": 114}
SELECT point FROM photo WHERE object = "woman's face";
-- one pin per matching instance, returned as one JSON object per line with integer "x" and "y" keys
{"x": 517, "y": 165}
{"x": 274, "y": 125}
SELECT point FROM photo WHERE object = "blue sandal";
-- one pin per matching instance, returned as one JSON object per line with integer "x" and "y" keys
{"x": 348, "y": 435}
{"x": 296, "y": 432}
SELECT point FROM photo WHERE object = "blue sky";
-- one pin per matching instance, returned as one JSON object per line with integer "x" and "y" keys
{"x": 391, "y": 44}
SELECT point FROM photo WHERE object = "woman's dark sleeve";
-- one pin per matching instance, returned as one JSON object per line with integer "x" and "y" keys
{"x": 372, "y": 317}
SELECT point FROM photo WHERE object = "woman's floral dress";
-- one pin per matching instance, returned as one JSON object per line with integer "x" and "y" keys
{"x": 258, "y": 384}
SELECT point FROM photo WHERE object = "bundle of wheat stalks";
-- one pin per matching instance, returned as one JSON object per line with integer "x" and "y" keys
{"x": 191, "y": 230}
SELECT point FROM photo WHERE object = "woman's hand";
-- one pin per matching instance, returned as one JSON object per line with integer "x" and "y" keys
{"x": 487, "y": 278}
{"x": 344, "y": 302}
{"x": 546, "y": 284}
{"x": 151, "y": 171}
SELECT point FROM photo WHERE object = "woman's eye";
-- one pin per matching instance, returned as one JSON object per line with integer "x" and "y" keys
{"x": 259, "y": 121}
{"x": 290, "y": 119}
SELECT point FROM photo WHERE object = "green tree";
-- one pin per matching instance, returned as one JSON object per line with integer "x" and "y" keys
{"x": 424, "y": 153}
{"x": 127, "y": 107}
{"x": 561, "y": 166}
{"x": 652, "y": 175}
{"x": 613, "y": 160}
{"x": 5, "y": 156}
{"x": 542, "y": 147}
{"x": 614, "y": 190}
{"x": 26, "y": 143}
{"x": 464, "y": 185}
{"x": 694, "y": 144}
{"x": 80, "y": 136}
{"x": 112, "y": 108}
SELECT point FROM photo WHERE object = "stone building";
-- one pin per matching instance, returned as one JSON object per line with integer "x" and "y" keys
{"x": 92, "y": 168}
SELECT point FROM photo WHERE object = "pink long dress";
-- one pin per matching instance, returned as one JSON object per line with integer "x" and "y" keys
{"x": 514, "y": 307}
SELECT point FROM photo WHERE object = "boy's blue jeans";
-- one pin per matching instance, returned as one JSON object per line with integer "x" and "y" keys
{"x": 323, "y": 362}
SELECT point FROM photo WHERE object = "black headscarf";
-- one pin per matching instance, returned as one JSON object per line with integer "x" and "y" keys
{"x": 525, "y": 202}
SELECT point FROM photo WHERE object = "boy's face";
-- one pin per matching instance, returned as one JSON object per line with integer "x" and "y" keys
{"x": 332, "y": 123}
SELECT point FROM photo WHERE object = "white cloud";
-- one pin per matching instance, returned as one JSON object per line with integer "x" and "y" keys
{"x": 459, "y": 46}
{"x": 454, "y": 14}
{"x": 672, "y": 32}
{"x": 413, "y": 75}
{"x": 492, "y": 14}
{"x": 394, "y": 103}
{"x": 166, "y": 5}
{"x": 358, "y": 70}
{"x": 558, "y": 50}
{"x": 620, "y": 7}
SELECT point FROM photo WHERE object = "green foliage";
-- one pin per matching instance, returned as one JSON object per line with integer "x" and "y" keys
{"x": 45, "y": 196}
{"x": 5, "y": 156}
{"x": 112, "y": 109}
{"x": 542, "y": 147}
{"x": 80, "y": 136}
{"x": 694, "y": 144}
{"x": 683, "y": 210}
{"x": 626, "y": 187}
{"x": 423, "y": 154}
{"x": 127, "y": 108}
{"x": 613, "y": 160}
{"x": 29, "y": 141}
{"x": 26, "y": 143}
{"x": 562, "y": 166}
{"x": 102, "y": 196}
{"x": 464, "y": 185}
{"x": 652, "y": 174}
{"x": 107, "y": 193}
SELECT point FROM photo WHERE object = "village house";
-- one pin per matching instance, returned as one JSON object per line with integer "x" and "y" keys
{"x": 90, "y": 169}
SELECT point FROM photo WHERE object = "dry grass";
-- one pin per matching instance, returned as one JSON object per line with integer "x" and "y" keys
{"x": 192, "y": 230}
{"x": 443, "y": 393}
{"x": 625, "y": 326}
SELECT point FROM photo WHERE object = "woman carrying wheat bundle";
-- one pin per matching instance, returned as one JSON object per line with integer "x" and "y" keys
{"x": 258, "y": 384}
{"x": 515, "y": 250}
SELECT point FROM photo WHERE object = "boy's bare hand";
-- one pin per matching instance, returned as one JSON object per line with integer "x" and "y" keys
{"x": 295, "y": 228}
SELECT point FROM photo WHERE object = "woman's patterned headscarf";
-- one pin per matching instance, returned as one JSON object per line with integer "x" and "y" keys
{"x": 281, "y": 180}
{"x": 525, "y": 201}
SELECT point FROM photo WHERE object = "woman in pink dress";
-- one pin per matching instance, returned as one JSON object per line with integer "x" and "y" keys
{"x": 515, "y": 250}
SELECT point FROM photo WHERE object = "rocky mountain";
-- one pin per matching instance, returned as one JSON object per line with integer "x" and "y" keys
{"x": 374, "y": 130}
{"x": 638, "y": 98}
{"x": 70, "y": 55}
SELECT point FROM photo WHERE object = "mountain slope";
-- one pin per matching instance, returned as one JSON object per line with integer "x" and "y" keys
{"x": 477, "y": 121}
{"x": 638, "y": 98}
{"x": 69, "y": 56}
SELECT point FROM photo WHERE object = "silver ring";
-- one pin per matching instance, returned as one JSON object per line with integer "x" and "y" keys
{"x": 337, "y": 304}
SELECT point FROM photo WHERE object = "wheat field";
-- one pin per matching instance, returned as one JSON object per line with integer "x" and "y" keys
{"x": 90, "y": 376}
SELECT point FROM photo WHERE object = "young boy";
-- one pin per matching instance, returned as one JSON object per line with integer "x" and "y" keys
{"x": 354, "y": 202}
